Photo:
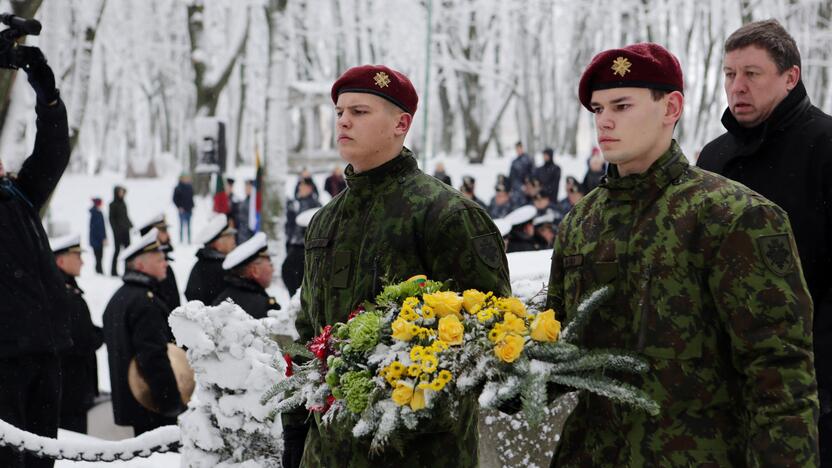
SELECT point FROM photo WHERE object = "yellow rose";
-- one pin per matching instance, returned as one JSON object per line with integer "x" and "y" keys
{"x": 444, "y": 303}
{"x": 514, "y": 324}
{"x": 473, "y": 300}
{"x": 510, "y": 348}
{"x": 402, "y": 394}
{"x": 402, "y": 330}
{"x": 545, "y": 327}
{"x": 451, "y": 330}
{"x": 418, "y": 400}
{"x": 513, "y": 305}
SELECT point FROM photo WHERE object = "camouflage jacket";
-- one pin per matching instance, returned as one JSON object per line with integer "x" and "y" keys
{"x": 393, "y": 222}
{"x": 708, "y": 288}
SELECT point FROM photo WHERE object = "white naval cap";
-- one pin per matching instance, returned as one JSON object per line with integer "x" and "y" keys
{"x": 503, "y": 226}
{"x": 548, "y": 217}
{"x": 157, "y": 222}
{"x": 64, "y": 244}
{"x": 521, "y": 215}
{"x": 217, "y": 226}
{"x": 305, "y": 216}
{"x": 249, "y": 250}
{"x": 147, "y": 243}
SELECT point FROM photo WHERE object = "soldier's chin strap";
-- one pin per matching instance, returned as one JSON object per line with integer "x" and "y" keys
{"x": 162, "y": 439}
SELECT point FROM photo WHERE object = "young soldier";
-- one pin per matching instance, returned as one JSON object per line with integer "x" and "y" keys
{"x": 780, "y": 145}
{"x": 249, "y": 272}
{"x": 707, "y": 287}
{"x": 79, "y": 369}
{"x": 207, "y": 276}
{"x": 392, "y": 222}
{"x": 135, "y": 327}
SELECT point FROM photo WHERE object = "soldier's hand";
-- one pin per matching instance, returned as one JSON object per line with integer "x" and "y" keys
{"x": 39, "y": 74}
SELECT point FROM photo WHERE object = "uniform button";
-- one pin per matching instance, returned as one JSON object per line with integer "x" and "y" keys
{"x": 150, "y": 295}
{"x": 18, "y": 274}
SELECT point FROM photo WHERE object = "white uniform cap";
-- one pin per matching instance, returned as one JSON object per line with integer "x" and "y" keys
{"x": 249, "y": 250}
{"x": 64, "y": 244}
{"x": 521, "y": 215}
{"x": 503, "y": 226}
{"x": 217, "y": 226}
{"x": 304, "y": 217}
{"x": 147, "y": 243}
{"x": 548, "y": 217}
{"x": 157, "y": 221}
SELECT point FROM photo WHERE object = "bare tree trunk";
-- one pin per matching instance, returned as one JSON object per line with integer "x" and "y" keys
{"x": 277, "y": 105}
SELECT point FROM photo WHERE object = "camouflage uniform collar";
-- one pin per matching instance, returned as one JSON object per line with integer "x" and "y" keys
{"x": 663, "y": 172}
{"x": 404, "y": 162}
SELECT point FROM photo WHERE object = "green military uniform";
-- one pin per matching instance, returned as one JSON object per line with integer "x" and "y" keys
{"x": 708, "y": 288}
{"x": 393, "y": 222}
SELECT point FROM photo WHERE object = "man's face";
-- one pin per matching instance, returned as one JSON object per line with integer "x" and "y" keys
{"x": 541, "y": 202}
{"x": 153, "y": 264}
{"x": 225, "y": 243}
{"x": 70, "y": 263}
{"x": 629, "y": 124}
{"x": 501, "y": 198}
{"x": 261, "y": 271}
{"x": 367, "y": 129}
{"x": 162, "y": 235}
{"x": 304, "y": 190}
{"x": 754, "y": 86}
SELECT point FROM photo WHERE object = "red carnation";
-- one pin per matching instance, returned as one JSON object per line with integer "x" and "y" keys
{"x": 355, "y": 312}
{"x": 288, "y": 358}
{"x": 320, "y": 346}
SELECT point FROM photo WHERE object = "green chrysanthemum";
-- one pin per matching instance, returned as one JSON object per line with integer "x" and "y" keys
{"x": 356, "y": 388}
{"x": 364, "y": 331}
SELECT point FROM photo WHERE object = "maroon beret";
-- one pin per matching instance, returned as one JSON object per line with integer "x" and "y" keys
{"x": 381, "y": 81}
{"x": 644, "y": 65}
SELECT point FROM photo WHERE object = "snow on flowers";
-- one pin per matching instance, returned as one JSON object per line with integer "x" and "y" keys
{"x": 419, "y": 351}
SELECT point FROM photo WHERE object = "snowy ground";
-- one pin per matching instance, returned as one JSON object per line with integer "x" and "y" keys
{"x": 147, "y": 197}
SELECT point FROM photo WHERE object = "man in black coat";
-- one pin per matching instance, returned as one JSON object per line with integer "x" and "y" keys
{"x": 207, "y": 276}
{"x": 34, "y": 328}
{"x": 79, "y": 368}
{"x": 548, "y": 175}
{"x": 135, "y": 327}
{"x": 120, "y": 224}
{"x": 168, "y": 289}
{"x": 249, "y": 272}
{"x": 521, "y": 169}
{"x": 780, "y": 145}
{"x": 292, "y": 269}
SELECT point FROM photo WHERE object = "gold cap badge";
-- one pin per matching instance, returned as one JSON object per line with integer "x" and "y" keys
{"x": 621, "y": 66}
{"x": 382, "y": 79}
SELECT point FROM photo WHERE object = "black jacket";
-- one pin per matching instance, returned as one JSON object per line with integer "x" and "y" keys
{"x": 30, "y": 283}
{"x": 788, "y": 159}
{"x": 295, "y": 233}
{"x": 207, "y": 277}
{"x": 183, "y": 196}
{"x": 78, "y": 364}
{"x": 135, "y": 326}
{"x": 119, "y": 221}
{"x": 168, "y": 289}
{"x": 248, "y": 295}
{"x": 549, "y": 176}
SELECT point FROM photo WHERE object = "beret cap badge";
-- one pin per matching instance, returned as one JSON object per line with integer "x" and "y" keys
{"x": 381, "y": 79}
{"x": 621, "y": 66}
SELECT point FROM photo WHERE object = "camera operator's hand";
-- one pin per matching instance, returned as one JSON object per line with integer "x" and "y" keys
{"x": 40, "y": 75}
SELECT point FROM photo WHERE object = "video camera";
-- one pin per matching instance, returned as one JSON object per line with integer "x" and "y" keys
{"x": 11, "y": 54}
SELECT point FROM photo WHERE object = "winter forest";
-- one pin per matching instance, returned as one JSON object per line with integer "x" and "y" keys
{"x": 136, "y": 74}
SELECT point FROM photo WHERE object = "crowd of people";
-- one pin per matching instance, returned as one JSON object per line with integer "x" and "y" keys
{"x": 719, "y": 281}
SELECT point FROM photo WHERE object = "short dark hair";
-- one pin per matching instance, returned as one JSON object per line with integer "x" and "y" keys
{"x": 771, "y": 36}
{"x": 658, "y": 94}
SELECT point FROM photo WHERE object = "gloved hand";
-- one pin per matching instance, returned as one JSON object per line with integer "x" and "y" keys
{"x": 39, "y": 74}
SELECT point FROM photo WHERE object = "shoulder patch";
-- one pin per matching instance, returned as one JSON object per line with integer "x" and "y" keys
{"x": 776, "y": 253}
{"x": 488, "y": 249}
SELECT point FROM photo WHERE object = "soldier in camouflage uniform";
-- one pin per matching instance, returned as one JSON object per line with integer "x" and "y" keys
{"x": 707, "y": 287}
{"x": 392, "y": 222}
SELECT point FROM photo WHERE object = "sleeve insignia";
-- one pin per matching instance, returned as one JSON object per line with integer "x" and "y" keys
{"x": 777, "y": 253}
{"x": 621, "y": 66}
{"x": 488, "y": 249}
{"x": 382, "y": 79}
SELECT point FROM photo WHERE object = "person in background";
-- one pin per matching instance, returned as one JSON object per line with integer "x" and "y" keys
{"x": 548, "y": 175}
{"x": 183, "y": 198}
{"x": 168, "y": 289}
{"x": 292, "y": 268}
{"x": 335, "y": 183}
{"x": 305, "y": 174}
{"x": 467, "y": 189}
{"x": 500, "y": 204}
{"x": 249, "y": 272}
{"x": 241, "y": 213}
{"x": 521, "y": 170}
{"x": 545, "y": 230}
{"x": 207, "y": 279}
{"x": 98, "y": 234}
{"x": 439, "y": 173}
{"x": 596, "y": 168}
{"x": 120, "y": 225}
{"x": 574, "y": 194}
{"x": 79, "y": 368}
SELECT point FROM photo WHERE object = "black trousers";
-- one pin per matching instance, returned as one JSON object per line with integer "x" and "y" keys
{"x": 118, "y": 245}
{"x": 30, "y": 395}
{"x": 99, "y": 252}
{"x": 294, "y": 436}
{"x": 292, "y": 269}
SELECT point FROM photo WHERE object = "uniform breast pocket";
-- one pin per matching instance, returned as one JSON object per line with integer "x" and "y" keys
{"x": 672, "y": 323}
{"x": 584, "y": 276}
{"x": 316, "y": 262}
